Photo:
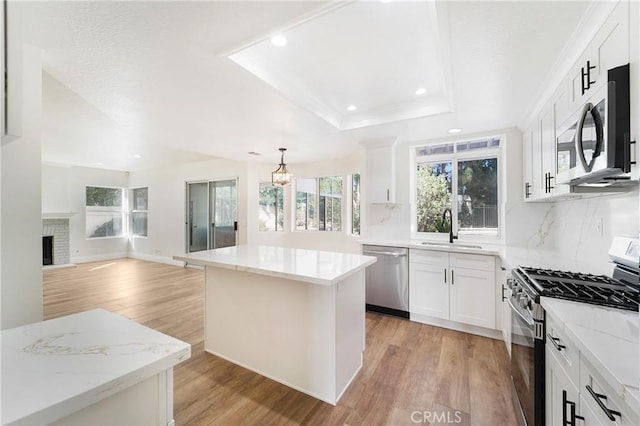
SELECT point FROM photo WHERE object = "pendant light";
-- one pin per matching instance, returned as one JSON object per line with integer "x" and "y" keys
{"x": 281, "y": 175}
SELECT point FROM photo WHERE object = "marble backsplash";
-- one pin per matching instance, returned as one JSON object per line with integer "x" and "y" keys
{"x": 579, "y": 229}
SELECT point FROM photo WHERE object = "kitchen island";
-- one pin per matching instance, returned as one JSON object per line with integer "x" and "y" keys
{"x": 296, "y": 316}
{"x": 94, "y": 368}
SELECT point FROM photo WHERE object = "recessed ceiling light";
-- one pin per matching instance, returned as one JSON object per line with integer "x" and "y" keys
{"x": 352, "y": 108}
{"x": 385, "y": 1}
{"x": 279, "y": 40}
{"x": 455, "y": 130}
{"x": 253, "y": 153}
{"x": 421, "y": 91}
{"x": 137, "y": 156}
{"x": 99, "y": 164}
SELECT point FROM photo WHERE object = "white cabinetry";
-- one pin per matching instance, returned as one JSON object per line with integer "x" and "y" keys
{"x": 608, "y": 49}
{"x": 452, "y": 286}
{"x": 540, "y": 155}
{"x": 381, "y": 170}
{"x": 599, "y": 403}
{"x": 575, "y": 393}
{"x": 505, "y": 309}
{"x": 561, "y": 376}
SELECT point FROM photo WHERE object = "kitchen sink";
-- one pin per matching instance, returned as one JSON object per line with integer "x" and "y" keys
{"x": 451, "y": 245}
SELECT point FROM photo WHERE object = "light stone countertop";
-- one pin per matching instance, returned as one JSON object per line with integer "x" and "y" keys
{"x": 312, "y": 266}
{"x": 608, "y": 338}
{"x": 54, "y": 368}
{"x": 510, "y": 256}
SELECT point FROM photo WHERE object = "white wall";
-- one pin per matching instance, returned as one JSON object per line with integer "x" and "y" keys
{"x": 56, "y": 184}
{"x": 167, "y": 205}
{"x": 316, "y": 240}
{"x": 64, "y": 190}
{"x": 21, "y": 245}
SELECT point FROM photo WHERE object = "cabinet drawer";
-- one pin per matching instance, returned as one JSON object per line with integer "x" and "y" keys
{"x": 473, "y": 261}
{"x": 564, "y": 351}
{"x": 428, "y": 257}
{"x": 589, "y": 377}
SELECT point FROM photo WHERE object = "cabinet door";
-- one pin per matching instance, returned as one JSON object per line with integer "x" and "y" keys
{"x": 429, "y": 290}
{"x": 561, "y": 395}
{"x": 577, "y": 80}
{"x": 473, "y": 297}
{"x": 610, "y": 46}
{"x": 548, "y": 148}
{"x": 506, "y": 312}
{"x": 381, "y": 174}
{"x": 531, "y": 190}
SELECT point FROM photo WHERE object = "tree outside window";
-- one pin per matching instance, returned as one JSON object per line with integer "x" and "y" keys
{"x": 271, "y": 208}
{"x": 355, "y": 204}
{"x": 463, "y": 177}
{"x": 139, "y": 212}
{"x": 104, "y": 212}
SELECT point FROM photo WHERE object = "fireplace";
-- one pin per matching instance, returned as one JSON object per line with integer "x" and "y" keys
{"x": 47, "y": 250}
{"x": 57, "y": 230}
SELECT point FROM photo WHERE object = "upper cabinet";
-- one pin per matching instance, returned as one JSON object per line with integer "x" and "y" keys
{"x": 540, "y": 153}
{"x": 608, "y": 49}
{"x": 381, "y": 170}
{"x": 545, "y": 150}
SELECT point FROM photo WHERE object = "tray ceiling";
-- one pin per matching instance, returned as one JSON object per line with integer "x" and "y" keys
{"x": 360, "y": 63}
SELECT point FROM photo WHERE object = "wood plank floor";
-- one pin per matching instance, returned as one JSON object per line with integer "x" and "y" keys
{"x": 413, "y": 373}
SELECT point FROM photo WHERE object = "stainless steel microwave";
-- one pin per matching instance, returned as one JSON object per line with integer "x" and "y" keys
{"x": 593, "y": 146}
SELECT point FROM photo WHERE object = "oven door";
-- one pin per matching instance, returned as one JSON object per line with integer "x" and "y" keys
{"x": 527, "y": 366}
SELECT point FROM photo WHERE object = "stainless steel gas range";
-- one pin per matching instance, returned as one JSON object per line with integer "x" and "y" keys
{"x": 528, "y": 338}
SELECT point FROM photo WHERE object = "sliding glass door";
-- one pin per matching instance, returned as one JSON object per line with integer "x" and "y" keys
{"x": 211, "y": 214}
{"x": 223, "y": 207}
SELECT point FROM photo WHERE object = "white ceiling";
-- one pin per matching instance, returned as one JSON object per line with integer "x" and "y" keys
{"x": 153, "y": 78}
{"x": 372, "y": 55}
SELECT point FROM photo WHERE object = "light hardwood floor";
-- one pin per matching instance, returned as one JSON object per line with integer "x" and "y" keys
{"x": 413, "y": 373}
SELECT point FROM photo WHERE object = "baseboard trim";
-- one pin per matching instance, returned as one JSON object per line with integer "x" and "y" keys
{"x": 154, "y": 258}
{"x": 451, "y": 325}
{"x": 99, "y": 257}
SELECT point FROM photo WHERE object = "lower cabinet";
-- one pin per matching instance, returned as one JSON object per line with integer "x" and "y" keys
{"x": 452, "y": 286}
{"x": 561, "y": 394}
{"x": 575, "y": 393}
{"x": 505, "y": 309}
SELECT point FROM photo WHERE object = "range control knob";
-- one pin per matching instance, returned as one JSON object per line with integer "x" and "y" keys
{"x": 524, "y": 301}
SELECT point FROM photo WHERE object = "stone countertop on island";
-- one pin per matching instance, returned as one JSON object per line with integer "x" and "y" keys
{"x": 312, "y": 266}
{"x": 54, "y": 368}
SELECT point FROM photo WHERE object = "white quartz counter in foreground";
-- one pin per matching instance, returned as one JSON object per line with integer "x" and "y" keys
{"x": 312, "y": 266}
{"x": 607, "y": 337}
{"x": 55, "y": 368}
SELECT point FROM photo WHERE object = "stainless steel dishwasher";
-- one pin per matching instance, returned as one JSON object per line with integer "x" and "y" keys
{"x": 387, "y": 280}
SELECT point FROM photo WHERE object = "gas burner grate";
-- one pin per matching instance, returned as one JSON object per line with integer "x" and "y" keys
{"x": 587, "y": 288}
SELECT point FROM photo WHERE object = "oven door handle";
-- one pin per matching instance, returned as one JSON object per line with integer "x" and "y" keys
{"x": 529, "y": 321}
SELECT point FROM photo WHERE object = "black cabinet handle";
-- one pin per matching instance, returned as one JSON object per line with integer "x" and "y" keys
{"x": 572, "y": 411}
{"x": 503, "y": 298}
{"x": 452, "y": 277}
{"x": 599, "y": 397}
{"x": 527, "y": 193}
{"x": 445, "y": 275}
{"x": 586, "y": 77}
{"x": 555, "y": 341}
{"x": 387, "y": 195}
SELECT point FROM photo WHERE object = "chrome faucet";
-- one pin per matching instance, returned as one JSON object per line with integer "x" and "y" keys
{"x": 444, "y": 217}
